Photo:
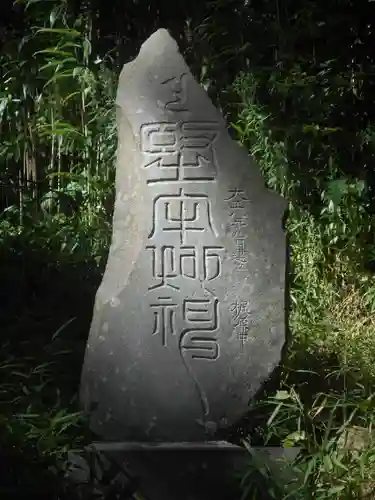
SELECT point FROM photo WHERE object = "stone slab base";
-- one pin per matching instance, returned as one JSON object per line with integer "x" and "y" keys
{"x": 188, "y": 471}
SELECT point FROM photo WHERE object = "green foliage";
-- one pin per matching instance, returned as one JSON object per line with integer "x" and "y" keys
{"x": 335, "y": 440}
{"x": 57, "y": 105}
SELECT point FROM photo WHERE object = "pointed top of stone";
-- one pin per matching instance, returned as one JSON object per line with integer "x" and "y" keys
{"x": 157, "y": 84}
{"x": 158, "y": 42}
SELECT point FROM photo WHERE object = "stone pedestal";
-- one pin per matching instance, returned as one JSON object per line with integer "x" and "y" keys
{"x": 186, "y": 471}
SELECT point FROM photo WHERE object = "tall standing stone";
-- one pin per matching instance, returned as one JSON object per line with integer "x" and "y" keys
{"x": 189, "y": 319}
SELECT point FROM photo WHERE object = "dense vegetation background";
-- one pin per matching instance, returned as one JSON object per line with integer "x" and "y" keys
{"x": 295, "y": 80}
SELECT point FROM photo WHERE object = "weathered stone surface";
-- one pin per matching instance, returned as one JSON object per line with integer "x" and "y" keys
{"x": 189, "y": 319}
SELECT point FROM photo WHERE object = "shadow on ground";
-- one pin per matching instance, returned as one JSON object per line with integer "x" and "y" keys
{"x": 46, "y": 304}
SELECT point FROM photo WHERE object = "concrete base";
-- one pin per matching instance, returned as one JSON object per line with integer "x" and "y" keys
{"x": 192, "y": 471}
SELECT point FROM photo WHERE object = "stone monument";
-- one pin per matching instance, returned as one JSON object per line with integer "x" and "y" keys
{"x": 189, "y": 321}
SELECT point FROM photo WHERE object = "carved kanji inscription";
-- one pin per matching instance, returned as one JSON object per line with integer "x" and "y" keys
{"x": 189, "y": 319}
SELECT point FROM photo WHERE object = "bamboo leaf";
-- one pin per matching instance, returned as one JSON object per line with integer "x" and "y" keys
{"x": 60, "y": 31}
{"x": 53, "y": 51}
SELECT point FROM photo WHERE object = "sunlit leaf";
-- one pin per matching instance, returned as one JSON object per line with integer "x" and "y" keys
{"x": 60, "y": 31}
{"x": 336, "y": 190}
